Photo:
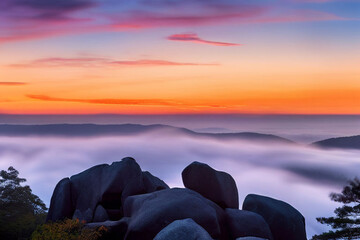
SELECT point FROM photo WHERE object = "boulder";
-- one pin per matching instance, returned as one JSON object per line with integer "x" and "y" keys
{"x": 115, "y": 229}
{"x": 183, "y": 229}
{"x": 105, "y": 185}
{"x": 150, "y": 213}
{"x": 217, "y": 186}
{"x": 285, "y": 221}
{"x": 83, "y": 216}
{"x": 100, "y": 214}
{"x": 60, "y": 204}
{"x": 243, "y": 223}
{"x": 152, "y": 183}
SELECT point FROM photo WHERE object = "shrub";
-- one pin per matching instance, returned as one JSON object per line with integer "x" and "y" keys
{"x": 69, "y": 230}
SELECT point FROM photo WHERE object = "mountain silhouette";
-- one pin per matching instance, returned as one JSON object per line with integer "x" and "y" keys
{"x": 352, "y": 142}
{"x": 96, "y": 130}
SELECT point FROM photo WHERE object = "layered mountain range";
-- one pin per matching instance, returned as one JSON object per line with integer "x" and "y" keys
{"x": 96, "y": 130}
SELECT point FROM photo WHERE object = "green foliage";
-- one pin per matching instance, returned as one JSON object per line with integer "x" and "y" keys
{"x": 20, "y": 210}
{"x": 69, "y": 230}
{"x": 347, "y": 221}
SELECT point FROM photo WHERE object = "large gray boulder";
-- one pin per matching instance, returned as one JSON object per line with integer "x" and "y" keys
{"x": 103, "y": 185}
{"x": 185, "y": 229}
{"x": 152, "y": 183}
{"x": 285, "y": 221}
{"x": 108, "y": 185}
{"x": 60, "y": 204}
{"x": 217, "y": 186}
{"x": 150, "y": 213}
{"x": 243, "y": 223}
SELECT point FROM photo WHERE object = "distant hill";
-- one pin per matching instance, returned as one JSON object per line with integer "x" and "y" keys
{"x": 213, "y": 130}
{"x": 352, "y": 142}
{"x": 95, "y": 130}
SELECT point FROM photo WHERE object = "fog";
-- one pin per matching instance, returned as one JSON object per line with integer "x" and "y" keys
{"x": 300, "y": 128}
{"x": 300, "y": 175}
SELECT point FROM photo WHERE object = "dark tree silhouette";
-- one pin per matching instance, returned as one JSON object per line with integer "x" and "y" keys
{"x": 346, "y": 224}
{"x": 20, "y": 210}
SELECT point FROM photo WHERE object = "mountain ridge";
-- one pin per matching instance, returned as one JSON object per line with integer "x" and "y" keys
{"x": 93, "y": 130}
{"x": 127, "y": 129}
{"x": 349, "y": 142}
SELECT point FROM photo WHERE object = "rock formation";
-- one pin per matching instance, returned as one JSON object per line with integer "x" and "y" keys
{"x": 135, "y": 205}
{"x": 183, "y": 229}
{"x": 285, "y": 222}
{"x": 217, "y": 186}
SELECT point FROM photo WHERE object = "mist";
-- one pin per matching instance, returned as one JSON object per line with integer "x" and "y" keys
{"x": 299, "y": 128}
{"x": 298, "y": 174}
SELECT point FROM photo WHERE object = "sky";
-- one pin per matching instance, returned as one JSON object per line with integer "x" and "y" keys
{"x": 283, "y": 67}
{"x": 180, "y": 56}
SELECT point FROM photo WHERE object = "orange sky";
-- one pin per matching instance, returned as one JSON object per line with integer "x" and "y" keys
{"x": 254, "y": 62}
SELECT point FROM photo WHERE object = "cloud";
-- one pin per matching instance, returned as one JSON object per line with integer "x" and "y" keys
{"x": 155, "y": 102}
{"x": 289, "y": 173}
{"x": 141, "y": 102}
{"x": 146, "y": 62}
{"x": 193, "y": 37}
{"x": 298, "y": 16}
{"x": 102, "y": 62}
{"x": 22, "y": 20}
{"x": 65, "y": 62}
{"x": 256, "y": 15}
{"x": 206, "y": 16}
{"x": 44, "y": 10}
{"x": 12, "y": 83}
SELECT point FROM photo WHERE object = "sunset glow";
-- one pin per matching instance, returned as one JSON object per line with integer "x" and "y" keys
{"x": 159, "y": 57}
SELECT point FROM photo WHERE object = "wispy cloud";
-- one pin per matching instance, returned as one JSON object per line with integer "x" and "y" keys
{"x": 44, "y": 10}
{"x": 298, "y": 16}
{"x": 193, "y": 37}
{"x": 102, "y": 62}
{"x": 147, "y": 62}
{"x": 64, "y": 62}
{"x": 208, "y": 15}
{"x": 22, "y": 20}
{"x": 12, "y": 83}
{"x": 140, "y": 102}
{"x": 155, "y": 102}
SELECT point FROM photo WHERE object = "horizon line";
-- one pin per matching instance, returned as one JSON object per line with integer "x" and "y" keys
{"x": 180, "y": 114}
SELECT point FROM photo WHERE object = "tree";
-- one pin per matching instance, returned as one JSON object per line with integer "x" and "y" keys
{"x": 20, "y": 210}
{"x": 347, "y": 221}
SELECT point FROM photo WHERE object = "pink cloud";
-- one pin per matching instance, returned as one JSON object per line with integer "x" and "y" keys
{"x": 193, "y": 37}
{"x": 222, "y": 14}
{"x": 42, "y": 19}
{"x": 102, "y": 62}
{"x": 147, "y": 62}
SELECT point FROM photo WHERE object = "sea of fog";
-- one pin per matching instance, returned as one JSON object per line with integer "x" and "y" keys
{"x": 298, "y": 174}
